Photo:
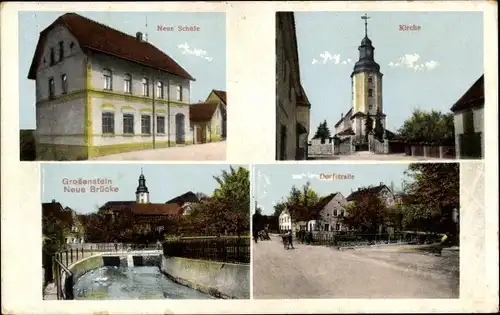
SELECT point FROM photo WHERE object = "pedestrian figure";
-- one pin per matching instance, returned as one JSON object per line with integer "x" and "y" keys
{"x": 290, "y": 238}
{"x": 255, "y": 236}
{"x": 116, "y": 246}
{"x": 444, "y": 241}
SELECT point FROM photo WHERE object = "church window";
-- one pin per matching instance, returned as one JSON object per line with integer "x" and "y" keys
{"x": 64, "y": 83}
{"x": 370, "y": 92}
{"x": 51, "y": 88}
{"x": 108, "y": 123}
{"x": 370, "y": 107}
{"x": 370, "y": 80}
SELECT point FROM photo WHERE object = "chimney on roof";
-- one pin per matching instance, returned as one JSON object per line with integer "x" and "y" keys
{"x": 53, "y": 201}
{"x": 341, "y": 115}
{"x": 138, "y": 36}
{"x": 381, "y": 183}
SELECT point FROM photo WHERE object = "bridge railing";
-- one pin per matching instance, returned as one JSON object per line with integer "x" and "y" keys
{"x": 351, "y": 239}
{"x": 222, "y": 249}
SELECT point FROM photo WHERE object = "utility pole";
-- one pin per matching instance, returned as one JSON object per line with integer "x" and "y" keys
{"x": 154, "y": 112}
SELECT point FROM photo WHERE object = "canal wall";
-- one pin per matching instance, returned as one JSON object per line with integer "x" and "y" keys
{"x": 223, "y": 280}
{"x": 101, "y": 260}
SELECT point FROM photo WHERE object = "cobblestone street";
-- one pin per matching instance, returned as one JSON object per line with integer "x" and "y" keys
{"x": 323, "y": 272}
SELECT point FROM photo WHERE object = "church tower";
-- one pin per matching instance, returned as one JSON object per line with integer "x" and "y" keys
{"x": 366, "y": 81}
{"x": 142, "y": 192}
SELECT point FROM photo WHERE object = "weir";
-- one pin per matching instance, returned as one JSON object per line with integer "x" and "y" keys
{"x": 130, "y": 261}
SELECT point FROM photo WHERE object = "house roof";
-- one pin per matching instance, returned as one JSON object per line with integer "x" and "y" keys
{"x": 96, "y": 37}
{"x": 186, "y": 197}
{"x": 147, "y": 208}
{"x": 474, "y": 97}
{"x": 356, "y": 195}
{"x": 202, "y": 111}
{"x": 222, "y": 95}
{"x": 56, "y": 210}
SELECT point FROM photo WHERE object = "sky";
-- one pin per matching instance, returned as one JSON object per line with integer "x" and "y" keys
{"x": 274, "y": 182}
{"x": 202, "y": 53}
{"x": 164, "y": 182}
{"x": 426, "y": 69}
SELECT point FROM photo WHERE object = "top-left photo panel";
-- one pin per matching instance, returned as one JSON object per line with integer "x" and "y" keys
{"x": 122, "y": 86}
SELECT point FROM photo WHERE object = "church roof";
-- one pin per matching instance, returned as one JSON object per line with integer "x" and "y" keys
{"x": 96, "y": 37}
{"x": 146, "y": 208}
{"x": 474, "y": 97}
{"x": 346, "y": 132}
{"x": 342, "y": 118}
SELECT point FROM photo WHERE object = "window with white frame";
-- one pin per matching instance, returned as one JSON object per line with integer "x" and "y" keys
{"x": 146, "y": 124}
{"x": 127, "y": 83}
{"x": 159, "y": 89}
{"x": 179, "y": 92}
{"x": 108, "y": 79}
{"x": 108, "y": 123}
{"x": 128, "y": 123}
{"x": 160, "y": 124}
{"x": 145, "y": 87}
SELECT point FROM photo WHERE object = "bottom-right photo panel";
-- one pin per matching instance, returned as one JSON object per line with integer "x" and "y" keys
{"x": 356, "y": 231}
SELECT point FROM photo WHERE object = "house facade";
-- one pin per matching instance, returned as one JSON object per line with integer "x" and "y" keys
{"x": 209, "y": 119}
{"x": 292, "y": 104}
{"x": 285, "y": 221}
{"x": 100, "y": 91}
{"x": 332, "y": 214}
{"x": 468, "y": 119}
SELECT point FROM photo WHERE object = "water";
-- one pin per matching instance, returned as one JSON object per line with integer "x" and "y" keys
{"x": 131, "y": 283}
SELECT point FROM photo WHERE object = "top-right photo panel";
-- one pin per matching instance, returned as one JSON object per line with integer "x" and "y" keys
{"x": 379, "y": 86}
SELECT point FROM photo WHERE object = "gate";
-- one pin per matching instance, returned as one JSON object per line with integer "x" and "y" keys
{"x": 179, "y": 128}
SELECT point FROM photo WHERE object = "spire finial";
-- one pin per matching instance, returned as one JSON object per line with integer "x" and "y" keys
{"x": 141, "y": 171}
{"x": 146, "y": 28}
{"x": 366, "y": 17}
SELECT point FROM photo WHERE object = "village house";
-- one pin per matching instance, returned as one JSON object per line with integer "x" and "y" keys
{"x": 292, "y": 105}
{"x": 209, "y": 119}
{"x": 100, "y": 91}
{"x": 73, "y": 230}
{"x": 382, "y": 191}
{"x": 285, "y": 221}
{"x": 332, "y": 214}
{"x": 469, "y": 122}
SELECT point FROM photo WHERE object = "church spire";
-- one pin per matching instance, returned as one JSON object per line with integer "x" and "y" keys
{"x": 366, "y": 17}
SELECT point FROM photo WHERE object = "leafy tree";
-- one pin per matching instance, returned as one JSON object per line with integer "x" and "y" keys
{"x": 278, "y": 208}
{"x": 303, "y": 203}
{"x": 323, "y": 132}
{"x": 379, "y": 129}
{"x": 234, "y": 189}
{"x": 428, "y": 126}
{"x": 367, "y": 214}
{"x": 432, "y": 196}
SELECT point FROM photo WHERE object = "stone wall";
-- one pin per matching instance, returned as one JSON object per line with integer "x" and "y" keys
{"x": 223, "y": 280}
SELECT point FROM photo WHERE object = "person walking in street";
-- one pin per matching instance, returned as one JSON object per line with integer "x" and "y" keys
{"x": 290, "y": 238}
{"x": 255, "y": 236}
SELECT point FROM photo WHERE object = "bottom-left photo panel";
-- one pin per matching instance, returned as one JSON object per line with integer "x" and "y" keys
{"x": 145, "y": 231}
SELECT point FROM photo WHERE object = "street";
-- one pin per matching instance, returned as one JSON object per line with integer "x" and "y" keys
{"x": 213, "y": 151}
{"x": 324, "y": 272}
{"x": 365, "y": 155}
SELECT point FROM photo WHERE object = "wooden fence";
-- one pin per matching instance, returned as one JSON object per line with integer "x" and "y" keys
{"x": 222, "y": 249}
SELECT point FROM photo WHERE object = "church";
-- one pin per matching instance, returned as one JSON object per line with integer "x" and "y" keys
{"x": 366, "y": 86}
{"x": 144, "y": 211}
